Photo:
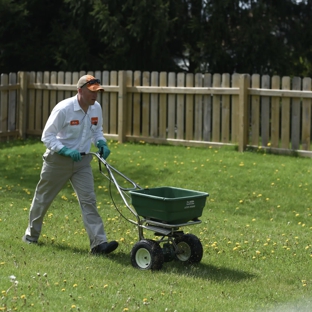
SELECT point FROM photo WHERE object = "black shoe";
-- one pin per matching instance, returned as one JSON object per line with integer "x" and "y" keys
{"x": 28, "y": 241}
{"x": 104, "y": 248}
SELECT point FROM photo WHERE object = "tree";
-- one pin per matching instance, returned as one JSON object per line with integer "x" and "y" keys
{"x": 245, "y": 36}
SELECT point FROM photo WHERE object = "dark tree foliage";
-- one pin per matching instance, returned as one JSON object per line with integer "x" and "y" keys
{"x": 244, "y": 36}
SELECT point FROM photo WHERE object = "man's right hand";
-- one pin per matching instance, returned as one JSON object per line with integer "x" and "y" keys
{"x": 74, "y": 154}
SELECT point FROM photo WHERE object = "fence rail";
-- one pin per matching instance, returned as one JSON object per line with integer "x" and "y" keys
{"x": 177, "y": 108}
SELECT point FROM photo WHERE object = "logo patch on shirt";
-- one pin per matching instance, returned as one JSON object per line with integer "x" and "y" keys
{"x": 74, "y": 122}
{"x": 94, "y": 120}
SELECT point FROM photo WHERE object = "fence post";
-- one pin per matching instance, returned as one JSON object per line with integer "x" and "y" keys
{"x": 243, "y": 112}
{"x": 22, "y": 105}
{"x": 122, "y": 106}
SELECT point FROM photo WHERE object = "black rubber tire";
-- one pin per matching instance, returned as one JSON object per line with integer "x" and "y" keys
{"x": 147, "y": 255}
{"x": 189, "y": 248}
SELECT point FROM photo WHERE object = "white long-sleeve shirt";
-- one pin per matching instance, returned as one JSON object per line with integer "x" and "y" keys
{"x": 68, "y": 125}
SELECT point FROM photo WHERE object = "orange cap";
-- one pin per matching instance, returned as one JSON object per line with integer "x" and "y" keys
{"x": 90, "y": 82}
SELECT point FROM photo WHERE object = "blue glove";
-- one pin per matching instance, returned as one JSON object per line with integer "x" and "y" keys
{"x": 74, "y": 154}
{"x": 103, "y": 149}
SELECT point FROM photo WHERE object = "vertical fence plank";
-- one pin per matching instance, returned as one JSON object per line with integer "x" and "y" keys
{"x": 189, "y": 108}
{"x": 243, "y": 112}
{"x": 295, "y": 115}
{"x": 154, "y": 106}
{"x": 225, "y": 113}
{"x": 38, "y": 104}
{"x": 60, "y": 80}
{"x": 12, "y": 103}
{"x": 275, "y": 118}
{"x": 255, "y": 111}
{"x": 137, "y": 105}
{"x": 75, "y": 78}
{"x": 129, "y": 102}
{"x": 265, "y": 112}
{"x": 235, "y": 110}
{"x": 45, "y": 100}
{"x": 68, "y": 80}
{"x": 207, "y": 110}
{"x": 22, "y": 105}
{"x": 180, "y": 107}
{"x": 306, "y": 116}
{"x": 98, "y": 75}
{"x": 162, "y": 106}
{"x": 216, "y": 118}
{"x": 122, "y": 106}
{"x": 113, "y": 115}
{"x": 146, "y": 106}
{"x": 53, "y": 93}
{"x": 171, "y": 107}
{"x": 31, "y": 104}
{"x": 105, "y": 101}
{"x": 285, "y": 128}
{"x": 4, "y": 104}
{"x": 198, "y": 109}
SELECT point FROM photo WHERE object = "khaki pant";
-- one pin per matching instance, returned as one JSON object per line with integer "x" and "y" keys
{"x": 55, "y": 173}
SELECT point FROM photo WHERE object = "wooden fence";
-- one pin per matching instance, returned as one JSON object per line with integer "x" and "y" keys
{"x": 177, "y": 108}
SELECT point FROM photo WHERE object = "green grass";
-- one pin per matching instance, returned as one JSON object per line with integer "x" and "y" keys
{"x": 256, "y": 233}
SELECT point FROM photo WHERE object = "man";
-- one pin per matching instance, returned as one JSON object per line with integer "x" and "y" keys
{"x": 73, "y": 124}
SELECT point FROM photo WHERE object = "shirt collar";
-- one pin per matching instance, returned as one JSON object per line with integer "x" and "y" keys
{"x": 77, "y": 106}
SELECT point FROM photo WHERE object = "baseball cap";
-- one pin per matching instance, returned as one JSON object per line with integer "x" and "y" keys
{"x": 90, "y": 82}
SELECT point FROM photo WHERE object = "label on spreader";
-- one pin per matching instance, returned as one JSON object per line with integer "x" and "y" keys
{"x": 189, "y": 204}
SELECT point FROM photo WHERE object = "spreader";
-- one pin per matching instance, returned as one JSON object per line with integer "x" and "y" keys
{"x": 164, "y": 211}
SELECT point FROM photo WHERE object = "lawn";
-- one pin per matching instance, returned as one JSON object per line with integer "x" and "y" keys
{"x": 256, "y": 234}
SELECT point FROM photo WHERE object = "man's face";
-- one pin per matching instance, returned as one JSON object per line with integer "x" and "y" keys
{"x": 87, "y": 96}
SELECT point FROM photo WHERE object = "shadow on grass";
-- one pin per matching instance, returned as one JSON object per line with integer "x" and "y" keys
{"x": 199, "y": 270}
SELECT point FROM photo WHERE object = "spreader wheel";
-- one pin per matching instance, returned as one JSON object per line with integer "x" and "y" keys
{"x": 147, "y": 255}
{"x": 189, "y": 248}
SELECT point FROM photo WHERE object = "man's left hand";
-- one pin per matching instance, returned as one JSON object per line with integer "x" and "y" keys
{"x": 103, "y": 149}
